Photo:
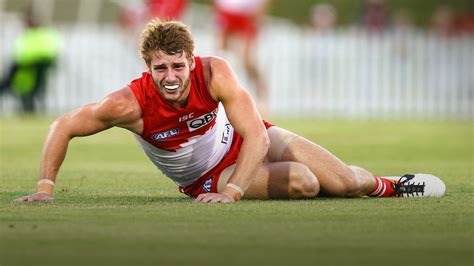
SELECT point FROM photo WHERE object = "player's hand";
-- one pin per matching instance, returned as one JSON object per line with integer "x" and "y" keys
{"x": 36, "y": 197}
{"x": 214, "y": 198}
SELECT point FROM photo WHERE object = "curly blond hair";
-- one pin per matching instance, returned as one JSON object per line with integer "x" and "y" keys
{"x": 170, "y": 37}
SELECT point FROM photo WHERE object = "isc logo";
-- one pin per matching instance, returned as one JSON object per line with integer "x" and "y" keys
{"x": 165, "y": 134}
{"x": 201, "y": 121}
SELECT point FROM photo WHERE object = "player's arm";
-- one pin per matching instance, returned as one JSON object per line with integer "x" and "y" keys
{"x": 117, "y": 109}
{"x": 244, "y": 117}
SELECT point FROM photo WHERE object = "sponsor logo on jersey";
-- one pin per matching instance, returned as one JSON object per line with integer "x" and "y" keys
{"x": 207, "y": 184}
{"x": 201, "y": 121}
{"x": 165, "y": 134}
{"x": 225, "y": 134}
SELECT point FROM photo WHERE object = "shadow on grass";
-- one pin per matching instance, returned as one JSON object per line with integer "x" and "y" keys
{"x": 137, "y": 200}
{"x": 116, "y": 199}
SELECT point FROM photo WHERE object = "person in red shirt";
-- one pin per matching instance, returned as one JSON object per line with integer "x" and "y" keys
{"x": 134, "y": 14}
{"x": 201, "y": 128}
{"x": 241, "y": 20}
{"x": 166, "y": 9}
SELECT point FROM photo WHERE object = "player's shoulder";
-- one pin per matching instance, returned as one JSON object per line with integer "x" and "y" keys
{"x": 214, "y": 68}
{"x": 214, "y": 63}
{"x": 220, "y": 76}
{"x": 217, "y": 67}
{"x": 120, "y": 104}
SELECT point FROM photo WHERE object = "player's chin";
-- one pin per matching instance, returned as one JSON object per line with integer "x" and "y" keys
{"x": 171, "y": 92}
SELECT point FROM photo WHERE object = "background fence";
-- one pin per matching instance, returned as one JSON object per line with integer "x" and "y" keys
{"x": 343, "y": 73}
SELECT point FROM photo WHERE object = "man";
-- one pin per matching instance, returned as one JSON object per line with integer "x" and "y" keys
{"x": 36, "y": 51}
{"x": 213, "y": 155}
{"x": 236, "y": 19}
{"x": 166, "y": 9}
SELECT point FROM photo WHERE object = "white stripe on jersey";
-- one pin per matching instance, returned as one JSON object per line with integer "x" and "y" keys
{"x": 195, "y": 157}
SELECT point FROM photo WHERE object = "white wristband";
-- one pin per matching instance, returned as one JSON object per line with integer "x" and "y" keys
{"x": 234, "y": 186}
{"x": 46, "y": 181}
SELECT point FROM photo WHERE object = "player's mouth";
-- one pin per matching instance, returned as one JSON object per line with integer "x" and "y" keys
{"x": 171, "y": 88}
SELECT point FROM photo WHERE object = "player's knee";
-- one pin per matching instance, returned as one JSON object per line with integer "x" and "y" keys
{"x": 303, "y": 183}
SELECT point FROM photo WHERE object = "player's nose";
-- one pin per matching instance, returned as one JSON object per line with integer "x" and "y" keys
{"x": 170, "y": 76}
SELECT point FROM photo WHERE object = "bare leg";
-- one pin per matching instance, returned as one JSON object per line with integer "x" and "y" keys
{"x": 224, "y": 39}
{"x": 335, "y": 177}
{"x": 298, "y": 168}
{"x": 250, "y": 64}
{"x": 280, "y": 180}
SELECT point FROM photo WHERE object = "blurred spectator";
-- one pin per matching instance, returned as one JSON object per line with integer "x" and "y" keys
{"x": 166, "y": 9}
{"x": 35, "y": 51}
{"x": 402, "y": 20}
{"x": 403, "y": 29}
{"x": 448, "y": 23}
{"x": 323, "y": 17}
{"x": 375, "y": 16}
{"x": 464, "y": 22}
{"x": 242, "y": 19}
{"x": 134, "y": 14}
{"x": 442, "y": 21}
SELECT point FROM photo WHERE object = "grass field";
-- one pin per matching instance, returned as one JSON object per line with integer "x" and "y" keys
{"x": 113, "y": 208}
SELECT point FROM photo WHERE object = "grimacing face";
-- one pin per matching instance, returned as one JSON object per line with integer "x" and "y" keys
{"x": 171, "y": 76}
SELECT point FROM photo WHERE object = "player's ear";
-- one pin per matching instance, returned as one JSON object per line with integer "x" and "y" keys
{"x": 148, "y": 67}
{"x": 192, "y": 63}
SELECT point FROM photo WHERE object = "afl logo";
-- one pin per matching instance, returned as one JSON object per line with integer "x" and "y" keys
{"x": 165, "y": 134}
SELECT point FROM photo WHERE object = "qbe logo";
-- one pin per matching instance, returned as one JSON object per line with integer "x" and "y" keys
{"x": 201, "y": 121}
{"x": 165, "y": 134}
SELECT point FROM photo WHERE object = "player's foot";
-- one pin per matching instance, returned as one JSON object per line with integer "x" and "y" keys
{"x": 418, "y": 185}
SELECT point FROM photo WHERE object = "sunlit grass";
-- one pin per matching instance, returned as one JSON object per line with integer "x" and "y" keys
{"x": 112, "y": 207}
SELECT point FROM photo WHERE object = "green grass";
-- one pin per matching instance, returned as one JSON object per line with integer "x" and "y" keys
{"x": 113, "y": 208}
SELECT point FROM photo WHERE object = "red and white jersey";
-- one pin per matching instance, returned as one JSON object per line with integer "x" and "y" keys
{"x": 183, "y": 143}
{"x": 240, "y": 7}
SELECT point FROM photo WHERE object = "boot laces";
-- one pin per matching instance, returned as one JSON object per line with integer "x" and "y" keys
{"x": 405, "y": 188}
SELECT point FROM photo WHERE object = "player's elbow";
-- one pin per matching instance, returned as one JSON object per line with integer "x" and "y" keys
{"x": 60, "y": 126}
{"x": 57, "y": 124}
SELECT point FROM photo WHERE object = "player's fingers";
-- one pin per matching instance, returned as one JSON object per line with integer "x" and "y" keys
{"x": 43, "y": 197}
{"x": 24, "y": 198}
{"x": 225, "y": 200}
{"x": 199, "y": 198}
{"x": 215, "y": 200}
{"x": 207, "y": 198}
{"x": 203, "y": 198}
{"x": 46, "y": 199}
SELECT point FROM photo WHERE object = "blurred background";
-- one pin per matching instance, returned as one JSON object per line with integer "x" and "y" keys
{"x": 356, "y": 59}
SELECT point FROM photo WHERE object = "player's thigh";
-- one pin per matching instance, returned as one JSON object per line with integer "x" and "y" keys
{"x": 280, "y": 138}
{"x": 279, "y": 180}
{"x": 334, "y": 175}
